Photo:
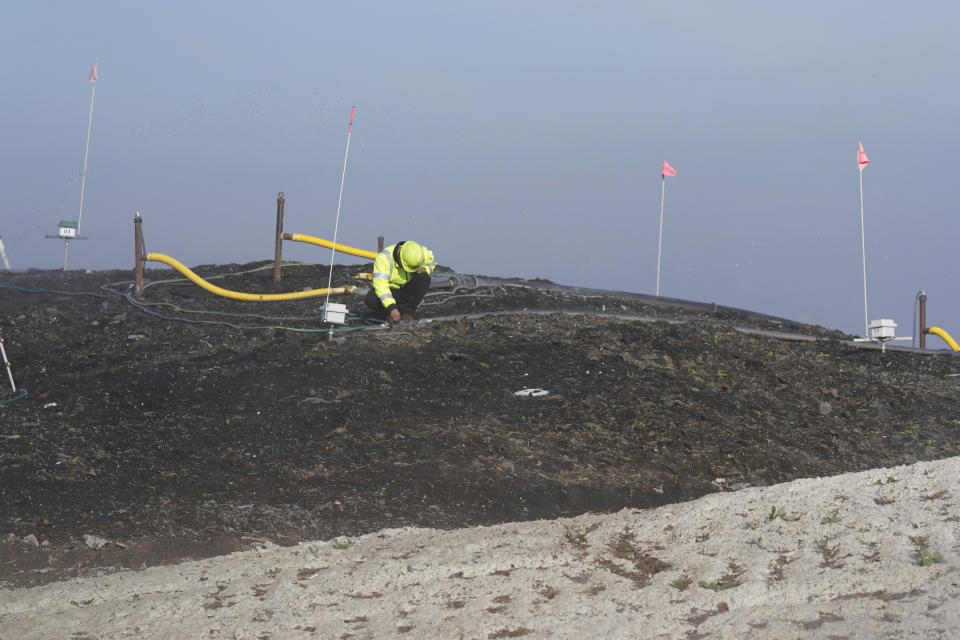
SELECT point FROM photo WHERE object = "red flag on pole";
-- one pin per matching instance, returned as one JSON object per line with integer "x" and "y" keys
{"x": 93, "y": 72}
{"x": 667, "y": 170}
{"x": 862, "y": 159}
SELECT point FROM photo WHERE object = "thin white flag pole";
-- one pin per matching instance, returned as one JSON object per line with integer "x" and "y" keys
{"x": 86, "y": 153}
{"x": 862, "y": 162}
{"x": 333, "y": 249}
{"x": 663, "y": 189}
{"x": 667, "y": 171}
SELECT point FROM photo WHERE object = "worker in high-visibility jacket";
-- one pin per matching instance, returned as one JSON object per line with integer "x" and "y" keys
{"x": 401, "y": 277}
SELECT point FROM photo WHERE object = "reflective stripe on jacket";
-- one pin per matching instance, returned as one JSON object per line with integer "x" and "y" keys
{"x": 389, "y": 275}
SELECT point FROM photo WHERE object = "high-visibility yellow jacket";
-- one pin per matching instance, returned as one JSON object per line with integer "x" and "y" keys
{"x": 388, "y": 274}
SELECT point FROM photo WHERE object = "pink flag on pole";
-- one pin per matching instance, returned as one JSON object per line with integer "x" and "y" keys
{"x": 669, "y": 171}
{"x": 93, "y": 72}
{"x": 862, "y": 159}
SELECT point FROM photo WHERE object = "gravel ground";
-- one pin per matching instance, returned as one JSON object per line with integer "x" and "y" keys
{"x": 458, "y": 467}
{"x": 862, "y": 555}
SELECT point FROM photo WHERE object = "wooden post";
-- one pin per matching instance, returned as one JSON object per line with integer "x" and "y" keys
{"x": 278, "y": 252}
{"x": 138, "y": 251}
{"x": 379, "y": 244}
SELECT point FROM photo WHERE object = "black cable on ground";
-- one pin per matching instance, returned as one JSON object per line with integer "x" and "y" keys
{"x": 129, "y": 298}
{"x": 53, "y": 291}
{"x": 229, "y": 313}
{"x": 21, "y": 393}
{"x": 144, "y": 308}
{"x": 377, "y": 325}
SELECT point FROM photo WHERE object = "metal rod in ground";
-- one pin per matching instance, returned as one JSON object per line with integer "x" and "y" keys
{"x": 923, "y": 319}
{"x": 3, "y": 352}
{"x": 333, "y": 248}
{"x": 278, "y": 249}
{"x": 138, "y": 252}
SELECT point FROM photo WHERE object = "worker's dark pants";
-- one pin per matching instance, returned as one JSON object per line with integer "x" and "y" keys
{"x": 408, "y": 297}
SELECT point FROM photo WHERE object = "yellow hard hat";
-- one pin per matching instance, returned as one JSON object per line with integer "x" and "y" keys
{"x": 411, "y": 256}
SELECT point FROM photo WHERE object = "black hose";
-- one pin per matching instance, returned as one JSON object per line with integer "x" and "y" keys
{"x": 22, "y": 393}
{"x": 456, "y": 280}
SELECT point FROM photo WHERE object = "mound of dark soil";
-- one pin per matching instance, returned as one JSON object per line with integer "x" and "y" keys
{"x": 178, "y": 424}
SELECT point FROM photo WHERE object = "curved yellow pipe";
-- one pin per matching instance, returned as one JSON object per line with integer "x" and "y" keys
{"x": 937, "y": 331}
{"x": 300, "y": 237}
{"x": 237, "y": 295}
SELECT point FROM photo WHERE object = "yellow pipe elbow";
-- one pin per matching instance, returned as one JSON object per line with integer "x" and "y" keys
{"x": 238, "y": 295}
{"x": 300, "y": 237}
{"x": 937, "y": 331}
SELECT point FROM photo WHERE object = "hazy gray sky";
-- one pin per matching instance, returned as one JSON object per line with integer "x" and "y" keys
{"x": 513, "y": 138}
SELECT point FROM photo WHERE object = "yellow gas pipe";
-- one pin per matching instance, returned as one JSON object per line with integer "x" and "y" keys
{"x": 300, "y": 237}
{"x": 937, "y": 331}
{"x": 238, "y": 295}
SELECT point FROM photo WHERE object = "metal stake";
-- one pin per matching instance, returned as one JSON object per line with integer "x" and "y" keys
{"x": 138, "y": 251}
{"x": 9, "y": 372}
{"x": 278, "y": 251}
{"x": 923, "y": 320}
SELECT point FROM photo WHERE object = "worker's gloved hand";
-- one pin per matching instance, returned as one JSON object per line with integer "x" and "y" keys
{"x": 394, "y": 315}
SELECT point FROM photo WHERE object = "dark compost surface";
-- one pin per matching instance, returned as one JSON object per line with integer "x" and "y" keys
{"x": 179, "y": 424}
